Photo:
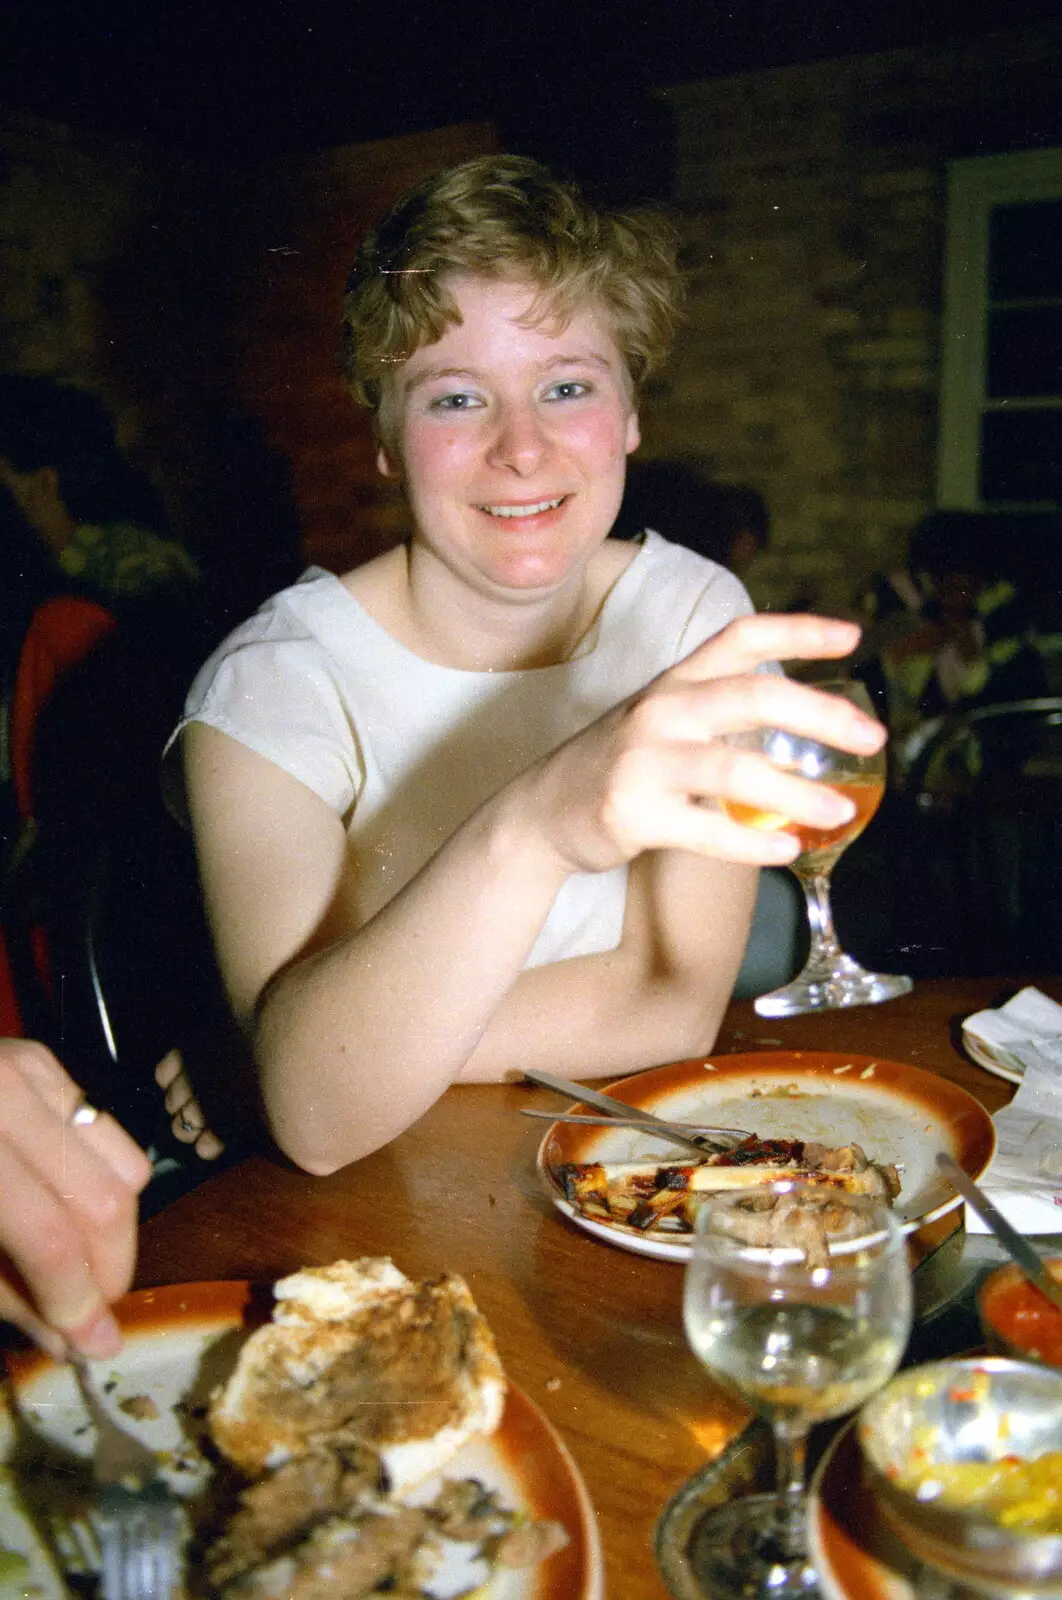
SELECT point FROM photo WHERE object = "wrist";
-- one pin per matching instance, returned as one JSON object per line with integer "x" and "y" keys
{"x": 519, "y": 834}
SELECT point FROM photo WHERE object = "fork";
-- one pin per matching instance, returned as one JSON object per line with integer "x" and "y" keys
{"x": 136, "y": 1516}
{"x": 676, "y": 1133}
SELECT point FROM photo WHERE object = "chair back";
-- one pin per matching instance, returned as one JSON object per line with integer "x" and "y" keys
{"x": 984, "y": 847}
{"x": 62, "y": 633}
{"x": 778, "y": 938}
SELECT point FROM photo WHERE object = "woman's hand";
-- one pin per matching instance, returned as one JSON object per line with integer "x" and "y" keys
{"x": 649, "y": 774}
{"x": 69, "y": 1213}
{"x": 189, "y": 1124}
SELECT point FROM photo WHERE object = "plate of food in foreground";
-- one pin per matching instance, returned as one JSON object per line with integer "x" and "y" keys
{"x": 363, "y": 1440}
{"x": 854, "y": 1122}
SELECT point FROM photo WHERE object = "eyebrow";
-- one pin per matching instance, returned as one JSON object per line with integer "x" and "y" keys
{"x": 430, "y": 374}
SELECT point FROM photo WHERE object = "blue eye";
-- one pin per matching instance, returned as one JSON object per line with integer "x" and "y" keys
{"x": 570, "y": 389}
{"x": 456, "y": 402}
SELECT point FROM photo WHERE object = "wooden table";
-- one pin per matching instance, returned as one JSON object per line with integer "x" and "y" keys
{"x": 592, "y": 1333}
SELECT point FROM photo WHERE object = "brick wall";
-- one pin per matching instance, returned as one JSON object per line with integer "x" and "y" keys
{"x": 811, "y": 205}
{"x": 202, "y": 302}
{"x": 198, "y": 298}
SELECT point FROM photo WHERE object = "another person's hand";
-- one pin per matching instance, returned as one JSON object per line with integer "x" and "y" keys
{"x": 188, "y": 1124}
{"x": 69, "y": 1177}
{"x": 650, "y": 774}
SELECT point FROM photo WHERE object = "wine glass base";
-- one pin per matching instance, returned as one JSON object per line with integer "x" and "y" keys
{"x": 845, "y": 983}
{"x": 729, "y": 1555}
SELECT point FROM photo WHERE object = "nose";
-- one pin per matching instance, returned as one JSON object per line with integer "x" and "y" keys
{"x": 519, "y": 442}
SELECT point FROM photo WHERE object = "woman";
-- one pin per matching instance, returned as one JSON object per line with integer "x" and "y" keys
{"x": 70, "y": 1177}
{"x": 454, "y": 810}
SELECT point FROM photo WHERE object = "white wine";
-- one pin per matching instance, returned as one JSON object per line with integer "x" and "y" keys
{"x": 812, "y": 1361}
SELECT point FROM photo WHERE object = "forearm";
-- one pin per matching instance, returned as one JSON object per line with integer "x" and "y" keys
{"x": 596, "y": 1016}
{"x": 659, "y": 996}
{"x": 356, "y": 1041}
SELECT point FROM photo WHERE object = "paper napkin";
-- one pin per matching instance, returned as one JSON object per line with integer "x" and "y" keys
{"x": 1024, "y": 1178}
{"x": 1029, "y": 1027}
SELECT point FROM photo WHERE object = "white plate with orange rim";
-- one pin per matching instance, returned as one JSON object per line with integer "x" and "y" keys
{"x": 854, "y": 1553}
{"x": 180, "y": 1342}
{"x": 896, "y": 1112}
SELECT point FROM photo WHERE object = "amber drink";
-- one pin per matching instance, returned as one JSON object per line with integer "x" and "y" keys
{"x": 830, "y": 978}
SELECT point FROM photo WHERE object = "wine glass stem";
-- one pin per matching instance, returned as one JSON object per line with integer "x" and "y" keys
{"x": 824, "y": 949}
{"x": 790, "y": 1454}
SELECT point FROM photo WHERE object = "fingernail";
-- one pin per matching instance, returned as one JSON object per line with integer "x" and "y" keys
{"x": 98, "y": 1338}
{"x": 836, "y": 811}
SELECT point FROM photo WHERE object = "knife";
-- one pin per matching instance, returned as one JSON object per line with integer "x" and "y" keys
{"x": 1011, "y": 1240}
{"x": 621, "y": 1108}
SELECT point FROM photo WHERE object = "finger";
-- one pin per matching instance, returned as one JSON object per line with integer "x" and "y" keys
{"x": 34, "y": 1084}
{"x": 89, "y": 1175}
{"x": 189, "y": 1123}
{"x": 50, "y": 1272}
{"x": 168, "y": 1068}
{"x": 706, "y": 709}
{"x": 178, "y": 1094}
{"x": 208, "y": 1146}
{"x": 751, "y": 642}
{"x": 746, "y": 779}
{"x": 682, "y": 823}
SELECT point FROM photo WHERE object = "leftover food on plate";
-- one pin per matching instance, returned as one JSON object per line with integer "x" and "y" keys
{"x": 900, "y": 1115}
{"x": 409, "y": 1370}
{"x": 642, "y": 1195}
{"x": 325, "y": 1448}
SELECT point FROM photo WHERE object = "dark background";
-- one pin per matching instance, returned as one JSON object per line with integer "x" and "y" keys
{"x": 565, "y": 81}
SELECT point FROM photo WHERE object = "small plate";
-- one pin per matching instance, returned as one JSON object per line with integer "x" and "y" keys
{"x": 984, "y": 1058}
{"x": 898, "y": 1113}
{"x": 180, "y": 1342}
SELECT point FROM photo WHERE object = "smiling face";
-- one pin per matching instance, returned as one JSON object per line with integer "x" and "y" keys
{"x": 511, "y": 439}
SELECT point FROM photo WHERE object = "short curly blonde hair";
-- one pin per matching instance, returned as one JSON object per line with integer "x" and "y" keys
{"x": 503, "y": 217}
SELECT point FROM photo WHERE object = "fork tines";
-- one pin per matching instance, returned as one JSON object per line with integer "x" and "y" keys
{"x": 140, "y": 1535}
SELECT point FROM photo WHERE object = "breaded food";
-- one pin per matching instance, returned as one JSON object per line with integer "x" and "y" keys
{"x": 409, "y": 1370}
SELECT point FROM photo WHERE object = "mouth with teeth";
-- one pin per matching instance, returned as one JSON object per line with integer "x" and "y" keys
{"x": 511, "y": 512}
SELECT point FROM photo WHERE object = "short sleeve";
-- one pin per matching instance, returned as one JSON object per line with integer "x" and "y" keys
{"x": 719, "y": 601}
{"x": 279, "y": 698}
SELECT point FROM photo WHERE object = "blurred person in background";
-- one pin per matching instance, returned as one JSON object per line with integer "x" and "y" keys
{"x": 950, "y": 630}
{"x": 95, "y": 517}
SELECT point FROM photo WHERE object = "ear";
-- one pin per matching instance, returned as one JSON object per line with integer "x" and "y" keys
{"x": 634, "y": 434}
{"x": 386, "y": 465}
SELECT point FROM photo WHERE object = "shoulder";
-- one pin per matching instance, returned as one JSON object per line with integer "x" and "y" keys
{"x": 277, "y": 685}
{"x": 698, "y": 592}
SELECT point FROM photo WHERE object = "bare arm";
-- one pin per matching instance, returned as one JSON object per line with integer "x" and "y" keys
{"x": 358, "y": 1030}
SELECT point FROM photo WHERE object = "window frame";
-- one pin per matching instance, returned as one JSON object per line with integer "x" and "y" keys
{"x": 975, "y": 186}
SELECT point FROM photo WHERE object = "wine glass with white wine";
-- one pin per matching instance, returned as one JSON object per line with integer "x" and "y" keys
{"x": 830, "y": 978}
{"x": 798, "y": 1297}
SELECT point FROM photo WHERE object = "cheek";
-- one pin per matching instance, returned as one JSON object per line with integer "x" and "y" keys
{"x": 600, "y": 436}
{"x": 432, "y": 459}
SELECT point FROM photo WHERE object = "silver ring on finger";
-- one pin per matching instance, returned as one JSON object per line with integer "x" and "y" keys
{"x": 82, "y": 1116}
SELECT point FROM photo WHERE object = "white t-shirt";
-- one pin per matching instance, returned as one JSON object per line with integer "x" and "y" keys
{"x": 404, "y": 750}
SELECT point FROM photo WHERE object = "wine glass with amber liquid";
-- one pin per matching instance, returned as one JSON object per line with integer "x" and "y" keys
{"x": 830, "y": 978}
